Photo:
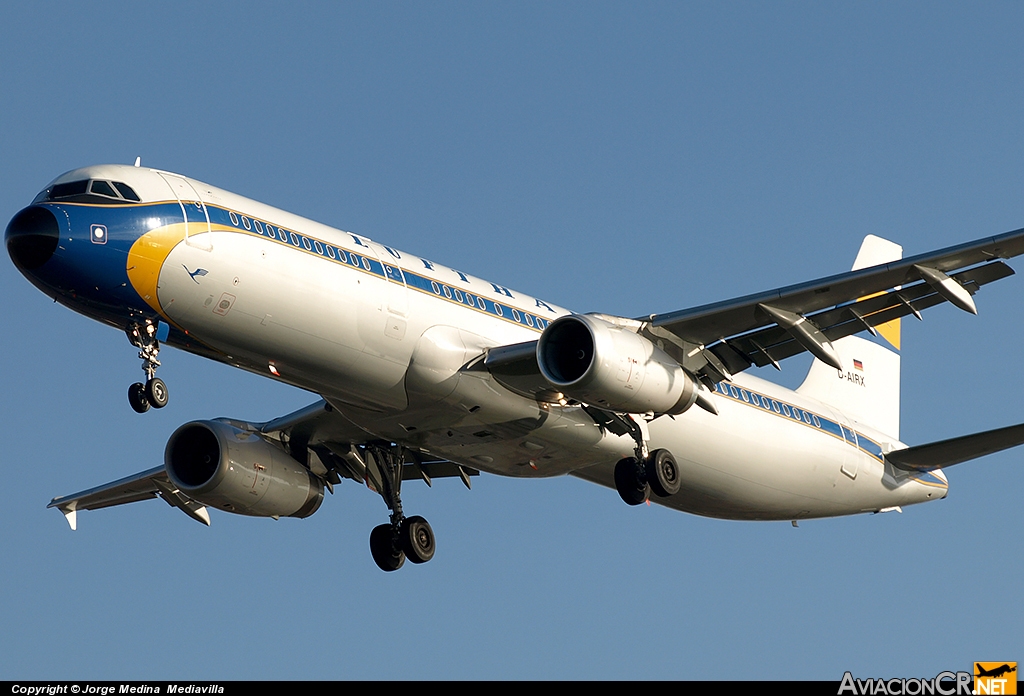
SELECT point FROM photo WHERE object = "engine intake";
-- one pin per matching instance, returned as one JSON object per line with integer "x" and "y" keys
{"x": 593, "y": 361}
{"x": 236, "y": 470}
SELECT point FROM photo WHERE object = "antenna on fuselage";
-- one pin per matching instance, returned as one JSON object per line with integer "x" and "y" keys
{"x": 138, "y": 161}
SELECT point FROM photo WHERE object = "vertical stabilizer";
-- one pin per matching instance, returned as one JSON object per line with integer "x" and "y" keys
{"x": 867, "y": 389}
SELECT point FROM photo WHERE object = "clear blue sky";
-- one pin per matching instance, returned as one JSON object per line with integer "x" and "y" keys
{"x": 625, "y": 158}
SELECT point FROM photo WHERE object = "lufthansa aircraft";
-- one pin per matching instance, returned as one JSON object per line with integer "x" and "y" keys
{"x": 425, "y": 371}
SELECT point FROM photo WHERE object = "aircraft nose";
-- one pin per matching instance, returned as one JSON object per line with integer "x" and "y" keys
{"x": 32, "y": 237}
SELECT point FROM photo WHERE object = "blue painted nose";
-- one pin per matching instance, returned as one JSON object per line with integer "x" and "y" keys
{"x": 32, "y": 237}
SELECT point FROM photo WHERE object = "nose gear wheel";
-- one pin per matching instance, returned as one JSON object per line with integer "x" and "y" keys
{"x": 152, "y": 393}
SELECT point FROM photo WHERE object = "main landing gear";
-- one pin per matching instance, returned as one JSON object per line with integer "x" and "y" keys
{"x": 657, "y": 473}
{"x": 405, "y": 537}
{"x": 646, "y": 472}
{"x": 153, "y": 392}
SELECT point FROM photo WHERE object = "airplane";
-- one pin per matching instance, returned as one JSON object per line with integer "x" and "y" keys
{"x": 995, "y": 671}
{"x": 424, "y": 371}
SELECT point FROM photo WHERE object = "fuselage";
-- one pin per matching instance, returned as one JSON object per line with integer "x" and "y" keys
{"x": 394, "y": 341}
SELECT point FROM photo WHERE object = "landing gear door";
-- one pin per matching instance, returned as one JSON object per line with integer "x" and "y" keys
{"x": 193, "y": 211}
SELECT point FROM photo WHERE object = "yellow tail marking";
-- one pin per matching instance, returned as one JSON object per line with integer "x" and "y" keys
{"x": 890, "y": 330}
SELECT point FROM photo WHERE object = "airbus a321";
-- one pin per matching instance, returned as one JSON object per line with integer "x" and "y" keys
{"x": 424, "y": 371}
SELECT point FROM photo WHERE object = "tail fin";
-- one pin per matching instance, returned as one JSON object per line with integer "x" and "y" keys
{"x": 868, "y": 388}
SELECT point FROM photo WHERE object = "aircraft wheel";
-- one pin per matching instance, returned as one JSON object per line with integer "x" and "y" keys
{"x": 156, "y": 392}
{"x": 628, "y": 484}
{"x": 417, "y": 539}
{"x": 137, "y": 397}
{"x": 663, "y": 473}
{"x": 383, "y": 550}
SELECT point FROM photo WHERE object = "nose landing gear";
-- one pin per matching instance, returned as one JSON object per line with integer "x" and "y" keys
{"x": 153, "y": 392}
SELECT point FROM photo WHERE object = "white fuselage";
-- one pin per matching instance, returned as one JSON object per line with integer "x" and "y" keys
{"x": 393, "y": 341}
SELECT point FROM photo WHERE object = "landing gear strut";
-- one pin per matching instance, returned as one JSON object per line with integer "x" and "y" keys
{"x": 646, "y": 472}
{"x": 405, "y": 537}
{"x": 153, "y": 392}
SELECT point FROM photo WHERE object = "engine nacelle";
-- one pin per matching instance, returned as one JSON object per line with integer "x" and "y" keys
{"x": 590, "y": 360}
{"x": 222, "y": 466}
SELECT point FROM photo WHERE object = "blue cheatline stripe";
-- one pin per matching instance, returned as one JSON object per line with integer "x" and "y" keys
{"x": 809, "y": 419}
{"x": 248, "y": 225}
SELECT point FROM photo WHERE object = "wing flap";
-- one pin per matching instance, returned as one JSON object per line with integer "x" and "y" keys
{"x": 939, "y": 455}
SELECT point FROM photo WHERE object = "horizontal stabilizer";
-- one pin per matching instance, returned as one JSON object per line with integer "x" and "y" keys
{"x": 938, "y": 455}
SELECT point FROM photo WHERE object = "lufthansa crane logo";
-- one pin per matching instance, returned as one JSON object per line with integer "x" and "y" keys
{"x": 192, "y": 274}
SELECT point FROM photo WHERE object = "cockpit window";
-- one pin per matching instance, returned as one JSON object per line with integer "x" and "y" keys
{"x": 71, "y": 188}
{"x": 103, "y": 188}
{"x": 126, "y": 191}
{"x": 96, "y": 191}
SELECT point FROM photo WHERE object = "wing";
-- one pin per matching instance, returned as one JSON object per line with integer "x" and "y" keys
{"x": 715, "y": 341}
{"x": 317, "y": 436}
{"x": 142, "y": 486}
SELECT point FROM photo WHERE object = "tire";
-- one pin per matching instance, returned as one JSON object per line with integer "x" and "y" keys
{"x": 630, "y": 489}
{"x": 156, "y": 392}
{"x": 137, "y": 397}
{"x": 417, "y": 539}
{"x": 663, "y": 473}
{"x": 383, "y": 550}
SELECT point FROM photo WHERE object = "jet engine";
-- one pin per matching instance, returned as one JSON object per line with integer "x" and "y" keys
{"x": 593, "y": 361}
{"x": 236, "y": 470}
